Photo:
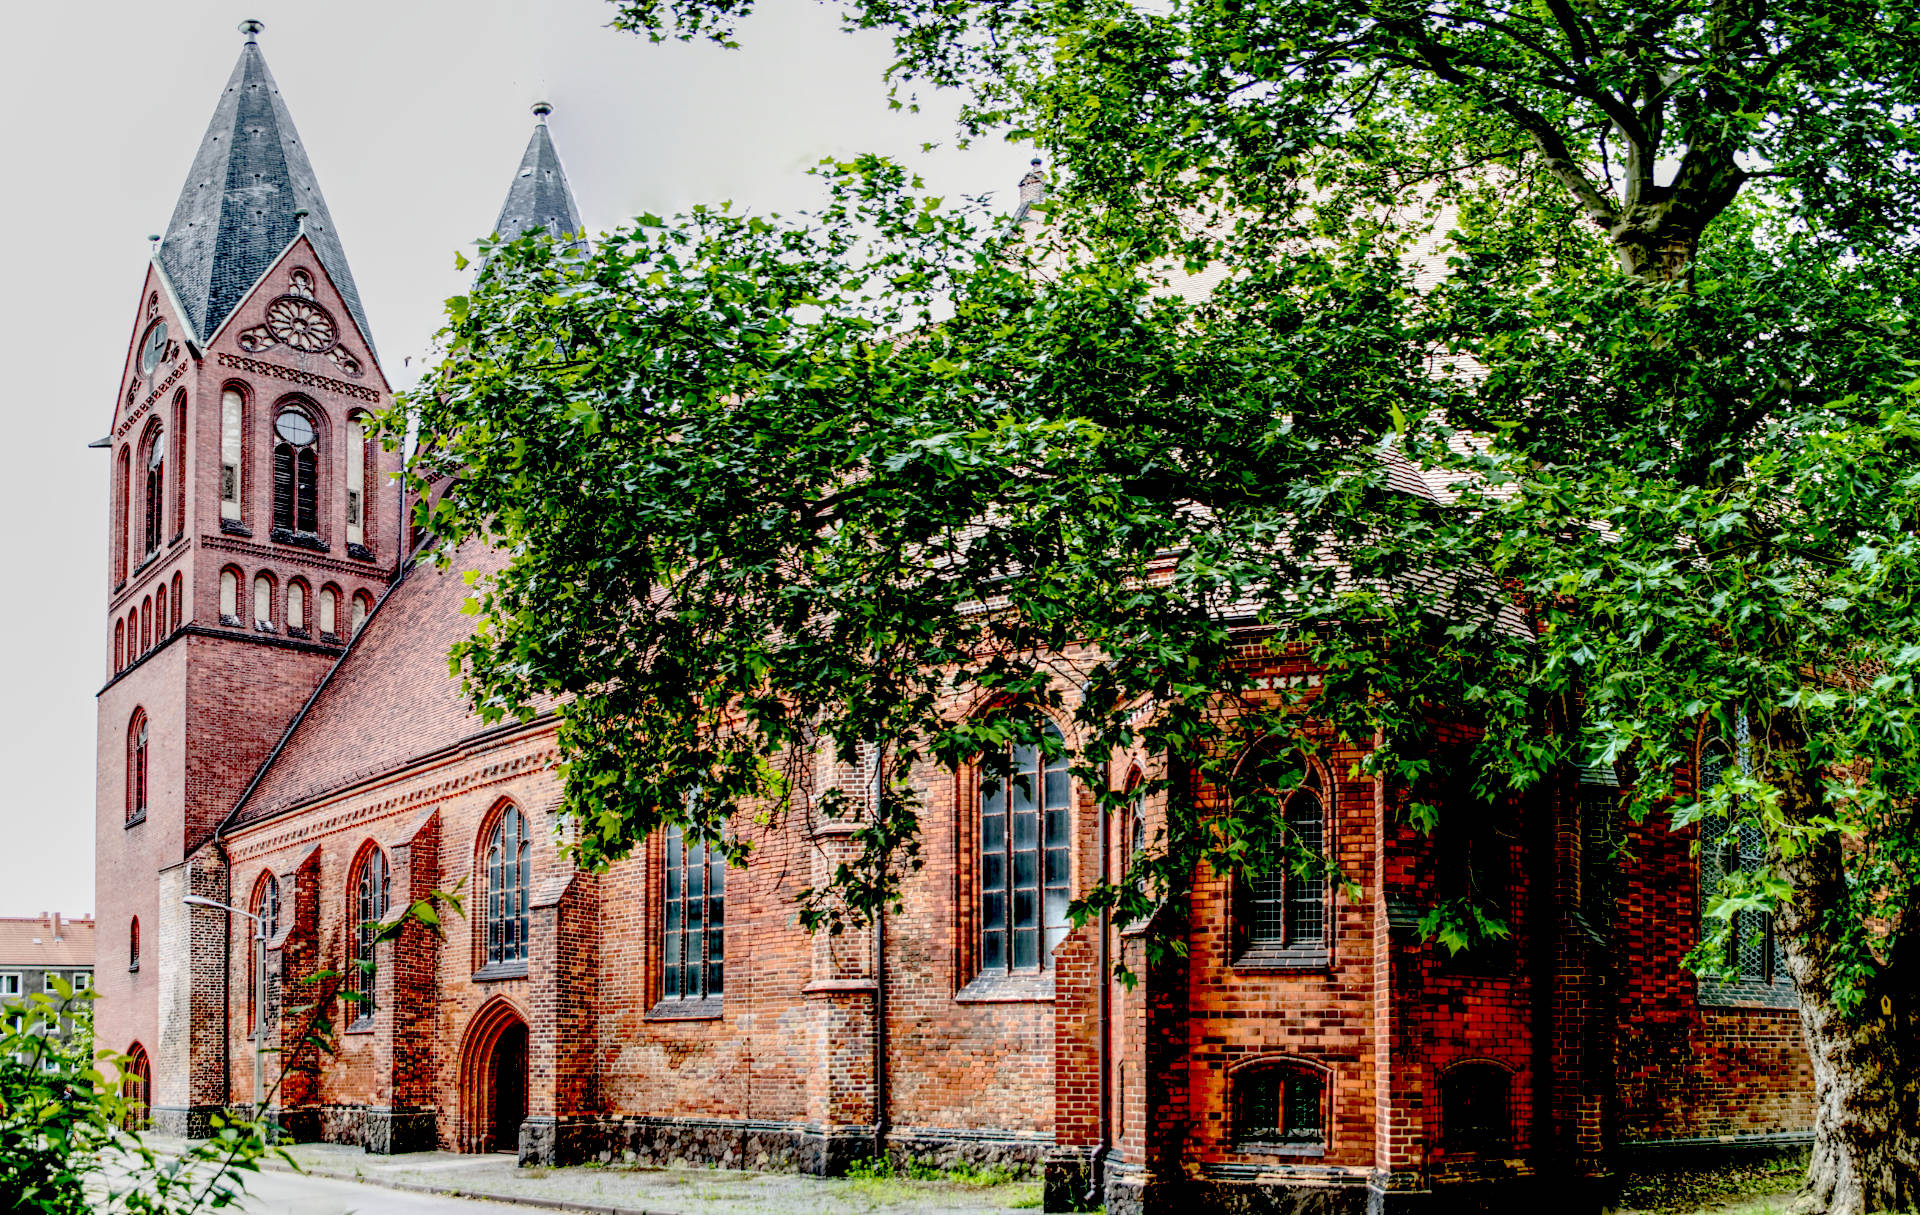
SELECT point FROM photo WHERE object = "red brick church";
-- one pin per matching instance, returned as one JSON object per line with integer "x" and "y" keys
{"x": 277, "y": 730}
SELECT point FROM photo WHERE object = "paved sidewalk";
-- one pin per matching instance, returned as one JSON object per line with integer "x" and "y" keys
{"x": 627, "y": 1190}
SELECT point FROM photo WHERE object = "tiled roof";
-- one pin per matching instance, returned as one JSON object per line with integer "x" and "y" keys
{"x": 388, "y": 701}
{"x": 236, "y": 210}
{"x": 46, "y": 940}
{"x": 539, "y": 198}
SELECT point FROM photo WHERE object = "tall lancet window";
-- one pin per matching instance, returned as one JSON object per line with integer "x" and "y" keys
{"x": 296, "y": 469}
{"x": 231, "y": 404}
{"x": 509, "y": 877}
{"x": 156, "y": 495}
{"x": 356, "y": 480}
{"x": 1025, "y": 800}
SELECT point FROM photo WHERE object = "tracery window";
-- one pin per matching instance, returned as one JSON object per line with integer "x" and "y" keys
{"x": 296, "y": 471}
{"x": 1280, "y": 1104}
{"x": 509, "y": 881}
{"x": 232, "y": 405}
{"x": 1136, "y": 836}
{"x": 156, "y": 491}
{"x": 693, "y": 922}
{"x": 1025, "y": 804}
{"x": 367, "y": 907}
{"x": 137, "y": 766}
{"x": 1285, "y": 907}
{"x": 1475, "y": 1110}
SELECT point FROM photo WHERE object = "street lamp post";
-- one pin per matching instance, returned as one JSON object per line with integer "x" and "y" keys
{"x": 259, "y": 997}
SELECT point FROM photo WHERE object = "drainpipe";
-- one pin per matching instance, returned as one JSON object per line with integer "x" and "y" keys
{"x": 1097, "y": 1166}
{"x": 881, "y": 1123}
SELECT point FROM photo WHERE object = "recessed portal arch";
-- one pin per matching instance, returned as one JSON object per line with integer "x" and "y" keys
{"x": 493, "y": 1078}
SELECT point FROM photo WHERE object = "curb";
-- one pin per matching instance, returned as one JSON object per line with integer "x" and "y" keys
{"x": 420, "y": 1187}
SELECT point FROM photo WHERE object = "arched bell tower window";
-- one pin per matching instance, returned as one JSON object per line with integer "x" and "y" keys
{"x": 296, "y": 471}
{"x": 137, "y": 766}
{"x": 178, "y": 607}
{"x": 362, "y": 605}
{"x": 357, "y": 480}
{"x": 509, "y": 875}
{"x": 297, "y": 606}
{"x": 263, "y": 602}
{"x": 154, "y": 533}
{"x": 229, "y": 596}
{"x": 232, "y": 405}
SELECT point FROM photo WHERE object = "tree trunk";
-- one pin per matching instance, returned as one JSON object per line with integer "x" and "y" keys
{"x": 1866, "y": 1062}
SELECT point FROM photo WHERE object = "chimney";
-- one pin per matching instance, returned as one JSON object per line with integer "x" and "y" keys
{"x": 1033, "y": 190}
{"x": 54, "y": 919}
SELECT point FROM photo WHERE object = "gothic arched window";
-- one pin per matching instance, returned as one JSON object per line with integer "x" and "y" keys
{"x": 509, "y": 879}
{"x": 266, "y": 905}
{"x": 693, "y": 920}
{"x": 1025, "y": 799}
{"x": 1728, "y": 848}
{"x": 133, "y": 944}
{"x": 156, "y": 491}
{"x": 146, "y": 624}
{"x": 296, "y": 472}
{"x": 174, "y": 620}
{"x": 1285, "y": 906}
{"x": 367, "y": 907}
{"x": 325, "y": 609}
{"x": 262, "y": 601}
{"x": 137, "y": 766}
{"x": 179, "y": 463}
{"x": 230, "y": 596}
{"x": 160, "y": 612}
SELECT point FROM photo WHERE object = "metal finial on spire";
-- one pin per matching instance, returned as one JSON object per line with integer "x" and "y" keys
{"x": 250, "y": 28}
{"x": 541, "y": 109}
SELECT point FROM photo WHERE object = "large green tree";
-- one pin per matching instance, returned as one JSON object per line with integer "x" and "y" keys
{"x": 1547, "y": 368}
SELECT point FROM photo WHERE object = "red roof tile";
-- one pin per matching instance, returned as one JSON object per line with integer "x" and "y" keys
{"x": 46, "y": 940}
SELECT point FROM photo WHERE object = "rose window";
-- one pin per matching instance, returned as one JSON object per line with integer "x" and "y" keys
{"x": 300, "y": 324}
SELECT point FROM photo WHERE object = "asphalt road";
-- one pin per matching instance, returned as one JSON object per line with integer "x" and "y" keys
{"x": 276, "y": 1193}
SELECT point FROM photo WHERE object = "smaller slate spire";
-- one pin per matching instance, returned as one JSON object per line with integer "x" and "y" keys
{"x": 539, "y": 198}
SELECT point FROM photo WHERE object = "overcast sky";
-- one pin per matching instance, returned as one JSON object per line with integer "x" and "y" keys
{"x": 414, "y": 114}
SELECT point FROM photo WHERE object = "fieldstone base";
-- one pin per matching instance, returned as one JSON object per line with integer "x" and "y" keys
{"x": 385, "y": 1132}
{"x": 1067, "y": 1176}
{"x": 186, "y": 1121}
{"x": 780, "y": 1147}
{"x": 298, "y": 1126}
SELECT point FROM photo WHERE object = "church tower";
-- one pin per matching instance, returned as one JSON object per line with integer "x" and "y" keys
{"x": 254, "y": 522}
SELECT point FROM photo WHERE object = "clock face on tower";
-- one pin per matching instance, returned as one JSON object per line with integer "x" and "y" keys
{"x": 152, "y": 347}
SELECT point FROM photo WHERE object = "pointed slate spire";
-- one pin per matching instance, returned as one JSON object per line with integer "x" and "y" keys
{"x": 244, "y": 201}
{"x": 539, "y": 198}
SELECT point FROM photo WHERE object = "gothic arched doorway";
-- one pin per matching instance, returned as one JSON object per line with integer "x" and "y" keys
{"x": 493, "y": 1079}
{"x": 136, "y": 1087}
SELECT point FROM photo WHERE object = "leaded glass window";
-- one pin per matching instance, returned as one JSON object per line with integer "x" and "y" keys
{"x": 156, "y": 491}
{"x": 509, "y": 877}
{"x": 231, "y": 403}
{"x": 1025, "y": 804}
{"x": 693, "y": 953}
{"x": 1279, "y": 1104}
{"x": 369, "y": 907}
{"x": 1284, "y": 907}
